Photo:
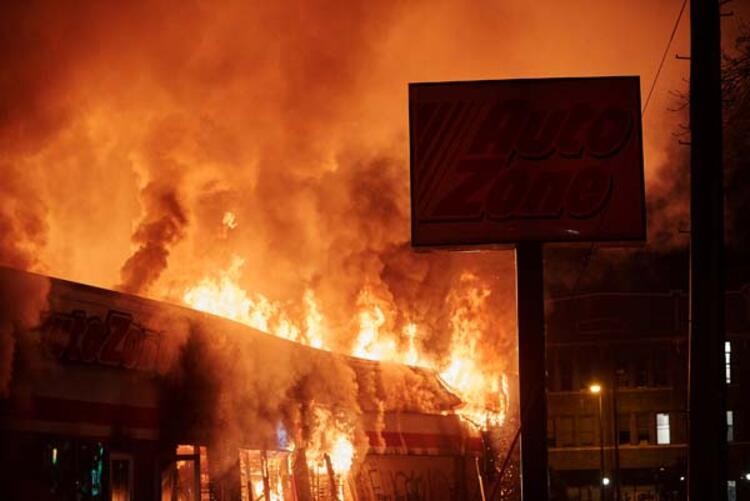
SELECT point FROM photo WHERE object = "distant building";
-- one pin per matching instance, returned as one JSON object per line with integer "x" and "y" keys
{"x": 635, "y": 346}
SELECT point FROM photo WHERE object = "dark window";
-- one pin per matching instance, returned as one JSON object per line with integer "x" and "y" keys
{"x": 566, "y": 371}
{"x": 661, "y": 367}
{"x": 585, "y": 430}
{"x": 564, "y": 430}
{"x": 623, "y": 428}
{"x": 550, "y": 432}
{"x": 583, "y": 364}
{"x": 75, "y": 469}
{"x": 623, "y": 368}
{"x": 641, "y": 372}
{"x": 643, "y": 424}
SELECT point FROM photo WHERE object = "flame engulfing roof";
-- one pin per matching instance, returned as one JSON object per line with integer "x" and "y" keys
{"x": 224, "y": 383}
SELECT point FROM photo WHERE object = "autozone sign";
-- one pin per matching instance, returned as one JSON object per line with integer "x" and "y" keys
{"x": 555, "y": 160}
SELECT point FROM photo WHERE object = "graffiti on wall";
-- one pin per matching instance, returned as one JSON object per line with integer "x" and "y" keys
{"x": 409, "y": 478}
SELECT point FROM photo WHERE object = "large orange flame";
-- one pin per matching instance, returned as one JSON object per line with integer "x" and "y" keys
{"x": 464, "y": 370}
{"x": 224, "y": 297}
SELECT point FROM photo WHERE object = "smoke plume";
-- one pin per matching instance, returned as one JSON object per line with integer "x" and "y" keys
{"x": 162, "y": 141}
{"x": 23, "y": 298}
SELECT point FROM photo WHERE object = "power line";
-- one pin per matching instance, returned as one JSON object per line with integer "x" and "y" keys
{"x": 592, "y": 247}
{"x": 663, "y": 57}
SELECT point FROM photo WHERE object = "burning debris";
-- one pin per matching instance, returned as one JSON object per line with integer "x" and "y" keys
{"x": 478, "y": 379}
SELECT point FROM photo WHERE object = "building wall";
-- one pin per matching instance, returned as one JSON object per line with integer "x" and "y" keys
{"x": 636, "y": 347}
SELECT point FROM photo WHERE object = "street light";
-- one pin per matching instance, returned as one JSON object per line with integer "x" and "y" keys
{"x": 596, "y": 389}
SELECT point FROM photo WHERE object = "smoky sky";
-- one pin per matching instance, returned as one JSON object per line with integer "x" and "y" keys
{"x": 129, "y": 130}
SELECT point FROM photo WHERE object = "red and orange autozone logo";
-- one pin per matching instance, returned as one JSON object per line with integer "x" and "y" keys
{"x": 113, "y": 340}
{"x": 513, "y": 160}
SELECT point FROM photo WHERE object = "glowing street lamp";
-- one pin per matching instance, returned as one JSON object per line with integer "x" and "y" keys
{"x": 596, "y": 389}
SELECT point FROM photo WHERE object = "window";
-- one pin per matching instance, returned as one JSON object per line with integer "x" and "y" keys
{"x": 121, "y": 477}
{"x": 564, "y": 431}
{"x": 728, "y": 361}
{"x": 662, "y": 429}
{"x": 584, "y": 368}
{"x": 643, "y": 425}
{"x": 75, "y": 466}
{"x": 585, "y": 430}
{"x": 730, "y": 426}
{"x": 566, "y": 371}
{"x": 623, "y": 428}
{"x": 641, "y": 372}
{"x": 622, "y": 368}
{"x": 731, "y": 490}
{"x": 550, "y": 432}
{"x": 661, "y": 367}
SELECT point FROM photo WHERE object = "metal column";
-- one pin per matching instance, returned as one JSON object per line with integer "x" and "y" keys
{"x": 532, "y": 372}
{"x": 707, "y": 389}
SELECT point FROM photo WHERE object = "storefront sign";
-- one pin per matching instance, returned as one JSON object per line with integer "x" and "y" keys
{"x": 548, "y": 160}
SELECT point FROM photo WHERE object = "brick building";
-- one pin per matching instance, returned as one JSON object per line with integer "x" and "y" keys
{"x": 633, "y": 432}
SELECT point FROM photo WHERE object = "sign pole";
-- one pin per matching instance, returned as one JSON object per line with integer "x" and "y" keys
{"x": 707, "y": 450}
{"x": 531, "y": 369}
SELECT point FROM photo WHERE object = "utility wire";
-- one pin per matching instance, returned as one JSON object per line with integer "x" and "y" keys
{"x": 663, "y": 57}
{"x": 592, "y": 247}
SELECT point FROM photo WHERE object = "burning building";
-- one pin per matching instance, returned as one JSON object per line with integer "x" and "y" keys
{"x": 115, "y": 396}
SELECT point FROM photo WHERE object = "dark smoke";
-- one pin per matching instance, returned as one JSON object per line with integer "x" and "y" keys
{"x": 162, "y": 227}
{"x": 23, "y": 298}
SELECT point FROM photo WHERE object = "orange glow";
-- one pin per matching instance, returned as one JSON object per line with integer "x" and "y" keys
{"x": 372, "y": 343}
{"x": 314, "y": 328}
{"x": 252, "y": 162}
{"x": 330, "y": 438}
{"x": 484, "y": 393}
{"x": 224, "y": 297}
{"x": 342, "y": 455}
{"x": 412, "y": 355}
